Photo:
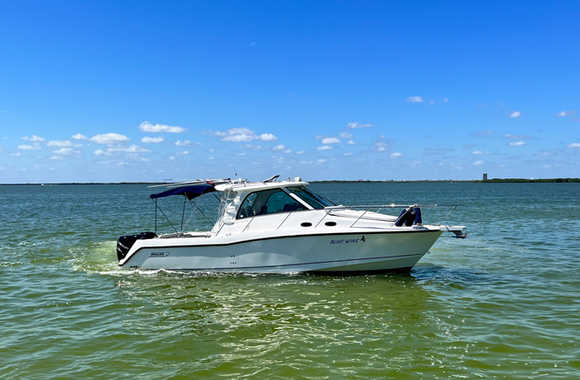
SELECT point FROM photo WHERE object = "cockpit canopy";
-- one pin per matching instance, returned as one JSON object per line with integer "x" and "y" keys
{"x": 277, "y": 200}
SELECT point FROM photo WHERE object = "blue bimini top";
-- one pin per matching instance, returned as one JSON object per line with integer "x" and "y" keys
{"x": 190, "y": 192}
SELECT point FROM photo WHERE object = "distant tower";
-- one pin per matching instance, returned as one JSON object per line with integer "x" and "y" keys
{"x": 484, "y": 179}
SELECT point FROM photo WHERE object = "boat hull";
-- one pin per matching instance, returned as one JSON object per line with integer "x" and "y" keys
{"x": 339, "y": 252}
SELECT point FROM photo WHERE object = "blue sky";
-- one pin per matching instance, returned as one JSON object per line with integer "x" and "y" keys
{"x": 148, "y": 91}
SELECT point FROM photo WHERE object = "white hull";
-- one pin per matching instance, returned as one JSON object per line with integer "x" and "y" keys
{"x": 365, "y": 251}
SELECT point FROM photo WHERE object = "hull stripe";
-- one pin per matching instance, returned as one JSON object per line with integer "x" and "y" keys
{"x": 296, "y": 264}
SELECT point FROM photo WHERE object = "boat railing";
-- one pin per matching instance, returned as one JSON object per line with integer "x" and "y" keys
{"x": 329, "y": 210}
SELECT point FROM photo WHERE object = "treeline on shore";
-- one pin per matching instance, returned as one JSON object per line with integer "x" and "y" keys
{"x": 492, "y": 180}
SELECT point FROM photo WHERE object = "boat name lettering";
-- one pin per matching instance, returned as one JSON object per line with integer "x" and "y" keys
{"x": 159, "y": 254}
{"x": 348, "y": 241}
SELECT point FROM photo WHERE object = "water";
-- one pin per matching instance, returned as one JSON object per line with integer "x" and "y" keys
{"x": 502, "y": 303}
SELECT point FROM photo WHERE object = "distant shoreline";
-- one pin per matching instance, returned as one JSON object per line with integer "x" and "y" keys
{"x": 492, "y": 180}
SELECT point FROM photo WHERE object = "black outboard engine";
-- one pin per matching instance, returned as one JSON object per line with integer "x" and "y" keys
{"x": 409, "y": 216}
{"x": 125, "y": 243}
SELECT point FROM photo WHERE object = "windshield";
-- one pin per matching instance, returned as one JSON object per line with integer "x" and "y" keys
{"x": 316, "y": 201}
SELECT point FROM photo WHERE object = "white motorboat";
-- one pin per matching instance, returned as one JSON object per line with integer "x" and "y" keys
{"x": 283, "y": 227}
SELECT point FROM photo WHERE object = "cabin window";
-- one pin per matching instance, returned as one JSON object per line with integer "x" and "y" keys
{"x": 268, "y": 202}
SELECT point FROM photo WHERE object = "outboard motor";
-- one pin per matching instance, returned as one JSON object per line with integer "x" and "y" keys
{"x": 409, "y": 216}
{"x": 125, "y": 243}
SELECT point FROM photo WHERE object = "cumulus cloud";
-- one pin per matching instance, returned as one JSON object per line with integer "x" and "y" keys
{"x": 356, "y": 125}
{"x": 183, "y": 143}
{"x": 380, "y": 146}
{"x": 330, "y": 140}
{"x": 350, "y": 142}
{"x": 59, "y": 143}
{"x": 345, "y": 135}
{"x": 268, "y": 137}
{"x": 65, "y": 151}
{"x": 324, "y": 147}
{"x": 396, "y": 155}
{"x": 151, "y": 140}
{"x": 33, "y": 138}
{"x": 414, "y": 99}
{"x": 147, "y": 126}
{"x": 120, "y": 149}
{"x": 243, "y": 135}
{"x": 515, "y": 114}
{"x": 565, "y": 113}
{"x": 478, "y": 163}
{"x": 517, "y": 143}
{"x": 278, "y": 148}
{"x": 79, "y": 136}
{"x": 574, "y": 145}
{"x": 28, "y": 146}
{"x": 109, "y": 138}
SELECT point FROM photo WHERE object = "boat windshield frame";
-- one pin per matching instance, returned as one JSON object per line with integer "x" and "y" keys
{"x": 314, "y": 200}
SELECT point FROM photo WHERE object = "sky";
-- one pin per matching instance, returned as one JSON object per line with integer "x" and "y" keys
{"x": 110, "y": 91}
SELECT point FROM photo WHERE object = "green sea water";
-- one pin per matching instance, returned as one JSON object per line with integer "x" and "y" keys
{"x": 503, "y": 303}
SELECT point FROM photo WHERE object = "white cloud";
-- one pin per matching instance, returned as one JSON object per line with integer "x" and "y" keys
{"x": 59, "y": 143}
{"x": 131, "y": 149}
{"x": 565, "y": 113}
{"x": 33, "y": 138}
{"x": 396, "y": 155}
{"x": 350, "y": 142}
{"x": 278, "y": 148}
{"x": 183, "y": 143}
{"x": 29, "y": 147}
{"x": 147, "y": 126}
{"x": 243, "y": 135}
{"x": 55, "y": 157}
{"x": 345, "y": 135}
{"x": 515, "y": 114}
{"x": 574, "y": 145}
{"x": 414, "y": 99}
{"x": 109, "y": 138}
{"x": 380, "y": 146}
{"x": 79, "y": 136}
{"x": 330, "y": 140}
{"x": 324, "y": 147}
{"x": 120, "y": 149}
{"x": 151, "y": 140}
{"x": 478, "y": 163}
{"x": 517, "y": 143}
{"x": 477, "y": 152}
{"x": 268, "y": 137}
{"x": 356, "y": 124}
{"x": 65, "y": 151}
{"x": 300, "y": 152}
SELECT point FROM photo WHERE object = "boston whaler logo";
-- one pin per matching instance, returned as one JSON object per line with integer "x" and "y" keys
{"x": 348, "y": 241}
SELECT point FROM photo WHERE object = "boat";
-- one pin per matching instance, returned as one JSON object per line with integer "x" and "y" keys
{"x": 274, "y": 226}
